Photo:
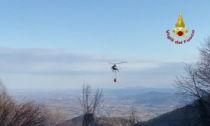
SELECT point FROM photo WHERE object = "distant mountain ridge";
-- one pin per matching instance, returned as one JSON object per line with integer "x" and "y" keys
{"x": 156, "y": 98}
{"x": 121, "y": 91}
{"x": 137, "y": 90}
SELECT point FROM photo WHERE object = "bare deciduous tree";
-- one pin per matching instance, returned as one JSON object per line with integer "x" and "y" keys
{"x": 25, "y": 114}
{"x": 132, "y": 118}
{"x": 196, "y": 82}
{"x": 89, "y": 102}
{"x": 57, "y": 117}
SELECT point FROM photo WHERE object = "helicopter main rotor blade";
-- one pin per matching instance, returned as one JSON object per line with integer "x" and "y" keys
{"x": 121, "y": 62}
{"x": 118, "y": 63}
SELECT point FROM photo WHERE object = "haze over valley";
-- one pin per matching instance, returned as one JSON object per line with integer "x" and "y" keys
{"x": 149, "y": 102}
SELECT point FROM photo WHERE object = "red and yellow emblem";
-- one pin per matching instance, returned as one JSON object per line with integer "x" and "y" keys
{"x": 180, "y": 31}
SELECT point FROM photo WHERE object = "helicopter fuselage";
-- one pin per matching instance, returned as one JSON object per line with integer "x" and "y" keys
{"x": 114, "y": 68}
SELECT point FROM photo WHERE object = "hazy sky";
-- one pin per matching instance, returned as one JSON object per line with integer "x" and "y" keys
{"x": 65, "y": 43}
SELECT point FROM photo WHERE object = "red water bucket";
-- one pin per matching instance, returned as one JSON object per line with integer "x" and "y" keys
{"x": 115, "y": 80}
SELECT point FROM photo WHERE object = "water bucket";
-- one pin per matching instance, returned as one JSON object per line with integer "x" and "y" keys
{"x": 115, "y": 80}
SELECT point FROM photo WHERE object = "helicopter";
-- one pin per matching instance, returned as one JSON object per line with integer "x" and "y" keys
{"x": 115, "y": 69}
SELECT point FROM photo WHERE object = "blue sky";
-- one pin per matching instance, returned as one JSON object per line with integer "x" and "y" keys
{"x": 64, "y": 43}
